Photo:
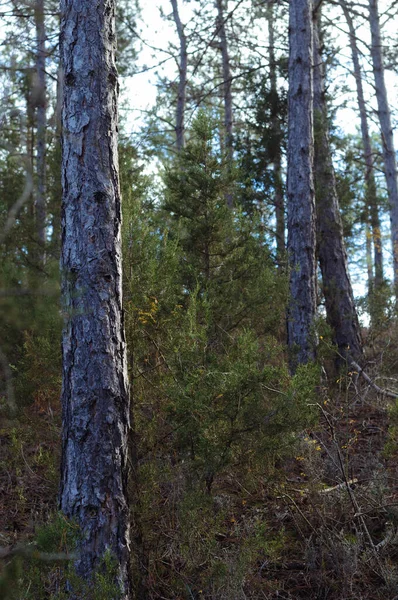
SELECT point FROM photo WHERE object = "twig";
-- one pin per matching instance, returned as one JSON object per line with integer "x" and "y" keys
{"x": 27, "y": 191}
{"x": 366, "y": 377}
{"x": 32, "y": 552}
{"x": 9, "y": 385}
{"x": 338, "y": 487}
{"x": 351, "y": 495}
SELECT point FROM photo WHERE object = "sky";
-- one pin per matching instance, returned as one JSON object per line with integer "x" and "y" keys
{"x": 140, "y": 91}
{"x": 141, "y": 88}
{"x": 157, "y": 32}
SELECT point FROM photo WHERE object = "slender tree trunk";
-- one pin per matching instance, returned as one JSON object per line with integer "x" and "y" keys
{"x": 59, "y": 102}
{"x": 182, "y": 83}
{"x": 390, "y": 163}
{"x": 300, "y": 187}
{"x": 277, "y": 138}
{"x": 95, "y": 395}
{"x": 377, "y": 241}
{"x": 369, "y": 260}
{"x": 41, "y": 126}
{"x": 227, "y": 83}
{"x": 54, "y": 208}
{"x": 371, "y": 190}
{"x": 340, "y": 307}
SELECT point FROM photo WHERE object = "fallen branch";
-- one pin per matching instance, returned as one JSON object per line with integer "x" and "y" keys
{"x": 374, "y": 385}
{"x": 339, "y": 486}
{"x": 32, "y": 552}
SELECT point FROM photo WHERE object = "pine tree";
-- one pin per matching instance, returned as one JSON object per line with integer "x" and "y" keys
{"x": 95, "y": 395}
{"x": 300, "y": 187}
{"x": 339, "y": 297}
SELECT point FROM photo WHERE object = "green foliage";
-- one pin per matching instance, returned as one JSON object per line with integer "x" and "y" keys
{"x": 29, "y": 308}
{"x": 205, "y": 310}
{"x": 9, "y": 577}
{"x": 261, "y": 144}
{"x": 41, "y": 353}
{"x": 380, "y": 305}
{"x": 391, "y": 445}
{"x": 28, "y": 577}
{"x": 104, "y": 585}
{"x": 58, "y": 535}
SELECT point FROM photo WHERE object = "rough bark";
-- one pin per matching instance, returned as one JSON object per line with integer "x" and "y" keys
{"x": 371, "y": 191}
{"x": 384, "y": 114}
{"x": 339, "y": 299}
{"x": 300, "y": 187}
{"x": 227, "y": 79}
{"x": 277, "y": 136}
{"x": 182, "y": 82}
{"x": 95, "y": 395}
{"x": 39, "y": 93}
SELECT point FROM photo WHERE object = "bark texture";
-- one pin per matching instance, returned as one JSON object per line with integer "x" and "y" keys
{"x": 182, "y": 82}
{"x": 277, "y": 138}
{"x": 339, "y": 299}
{"x": 300, "y": 186}
{"x": 384, "y": 114}
{"x": 39, "y": 99}
{"x": 227, "y": 79}
{"x": 95, "y": 395}
{"x": 371, "y": 191}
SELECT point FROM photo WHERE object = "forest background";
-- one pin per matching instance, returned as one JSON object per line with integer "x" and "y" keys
{"x": 250, "y": 481}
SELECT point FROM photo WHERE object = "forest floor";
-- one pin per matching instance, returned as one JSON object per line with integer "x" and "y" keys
{"x": 330, "y": 515}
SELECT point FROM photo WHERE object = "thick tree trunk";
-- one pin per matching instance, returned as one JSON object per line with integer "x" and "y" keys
{"x": 227, "y": 79}
{"x": 95, "y": 395}
{"x": 371, "y": 191}
{"x": 340, "y": 307}
{"x": 300, "y": 187}
{"x": 390, "y": 163}
{"x": 182, "y": 83}
{"x": 277, "y": 138}
{"x": 39, "y": 92}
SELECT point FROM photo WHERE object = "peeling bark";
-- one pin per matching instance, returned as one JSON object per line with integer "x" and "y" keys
{"x": 339, "y": 298}
{"x": 300, "y": 187}
{"x": 182, "y": 82}
{"x": 384, "y": 114}
{"x": 95, "y": 395}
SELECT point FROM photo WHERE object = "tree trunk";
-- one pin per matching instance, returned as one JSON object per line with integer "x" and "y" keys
{"x": 59, "y": 102}
{"x": 377, "y": 241}
{"x": 95, "y": 395}
{"x": 340, "y": 307}
{"x": 369, "y": 260}
{"x": 277, "y": 138}
{"x": 39, "y": 99}
{"x": 390, "y": 164}
{"x": 182, "y": 83}
{"x": 300, "y": 187}
{"x": 371, "y": 191}
{"x": 227, "y": 82}
{"x": 54, "y": 208}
